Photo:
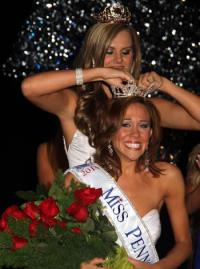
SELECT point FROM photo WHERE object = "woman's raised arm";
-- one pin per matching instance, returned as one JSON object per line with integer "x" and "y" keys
{"x": 184, "y": 113}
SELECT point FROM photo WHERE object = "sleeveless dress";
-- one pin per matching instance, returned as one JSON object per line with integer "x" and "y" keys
{"x": 80, "y": 151}
{"x": 152, "y": 222}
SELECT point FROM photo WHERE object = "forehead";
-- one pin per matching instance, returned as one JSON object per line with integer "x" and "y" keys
{"x": 138, "y": 111}
{"x": 123, "y": 38}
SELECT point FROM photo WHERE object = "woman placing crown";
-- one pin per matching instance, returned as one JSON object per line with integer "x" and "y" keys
{"x": 109, "y": 57}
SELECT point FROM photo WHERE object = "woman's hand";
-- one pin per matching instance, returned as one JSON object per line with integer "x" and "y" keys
{"x": 116, "y": 77}
{"x": 93, "y": 264}
{"x": 150, "y": 81}
{"x": 142, "y": 265}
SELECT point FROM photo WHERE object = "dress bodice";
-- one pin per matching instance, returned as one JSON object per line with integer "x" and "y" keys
{"x": 153, "y": 224}
{"x": 79, "y": 150}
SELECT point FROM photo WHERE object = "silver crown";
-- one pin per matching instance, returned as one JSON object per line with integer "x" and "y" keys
{"x": 130, "y": 89}
{"x": 114, "y": 13}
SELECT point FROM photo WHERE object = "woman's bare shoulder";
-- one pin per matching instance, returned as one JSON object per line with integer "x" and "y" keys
{"x": 166, "y": 165}
{"x": 170, "y": 171}
{"x": 172, "y": 181}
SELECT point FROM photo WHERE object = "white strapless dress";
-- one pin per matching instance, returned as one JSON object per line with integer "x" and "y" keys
{"x": 153, "y": 224}
{"x": 79, "y": 151}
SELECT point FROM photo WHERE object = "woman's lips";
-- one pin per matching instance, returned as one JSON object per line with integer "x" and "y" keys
{"x": 134, "y": 145}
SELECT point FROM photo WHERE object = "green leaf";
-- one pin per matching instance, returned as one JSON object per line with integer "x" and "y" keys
{"x": 19, "y": 227}
{"x": 5, "y": 240}
{"x": 27, "y": 195}
{"x": 41, "y": 190}
{"x": 119, "y": 260}
{"x": 109, "y": 235}
{"x": 57, "y": 193}
{"x": 88, "y": 226}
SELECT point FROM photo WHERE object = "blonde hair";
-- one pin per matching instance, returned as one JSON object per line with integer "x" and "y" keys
{"x": 97, "y": 41}
{"x": 193, "y": 171}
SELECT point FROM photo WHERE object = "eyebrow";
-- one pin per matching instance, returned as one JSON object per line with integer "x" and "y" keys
{"x": 140, "y": 120}
{"x": 131, "y": 47}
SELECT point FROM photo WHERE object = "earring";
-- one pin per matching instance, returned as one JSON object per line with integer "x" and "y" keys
{"x": 146, "y": 161}
{"x": 110, "y": 149}
{"x": 93, "y": 63}
{"x": 109, "y": 165}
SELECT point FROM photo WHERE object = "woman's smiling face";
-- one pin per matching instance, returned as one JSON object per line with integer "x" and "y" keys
{"x": 132, "y": 138}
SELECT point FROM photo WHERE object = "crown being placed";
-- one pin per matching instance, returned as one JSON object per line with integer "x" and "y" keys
{"x": 114, "y": 13}
{"x": 130, "y": 89}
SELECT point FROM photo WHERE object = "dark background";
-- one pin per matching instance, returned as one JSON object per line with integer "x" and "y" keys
{"x": 23, "y": 126}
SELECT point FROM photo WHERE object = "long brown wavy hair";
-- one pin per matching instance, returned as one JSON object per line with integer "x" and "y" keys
{"x": 113, "y": 119}
{"x": 193, "y": 171}
{"x": 93, "y": 101}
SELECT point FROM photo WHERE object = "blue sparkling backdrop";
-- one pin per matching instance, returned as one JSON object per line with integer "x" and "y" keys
{"x": 169, "y": 30}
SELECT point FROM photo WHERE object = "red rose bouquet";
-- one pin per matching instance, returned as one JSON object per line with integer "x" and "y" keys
{"x": 59, "y": 229}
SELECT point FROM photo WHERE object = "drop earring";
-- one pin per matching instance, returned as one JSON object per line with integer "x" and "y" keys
{"x": 93, "y": 63}
{"x": 110, "y": 149}
{"x": 146, "y": 161}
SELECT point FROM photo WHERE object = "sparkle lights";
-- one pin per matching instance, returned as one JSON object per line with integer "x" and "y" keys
{"x": 51, "y": 35}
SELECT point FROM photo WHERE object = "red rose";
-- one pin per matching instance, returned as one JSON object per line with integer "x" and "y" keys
{"x": 51, "y": 222}
{"x": 15, "y": 212}
{"x": 33, "y": 227}
{"x": 3, "y": 224}
{"x": 76, "y": 230}
{"x": 31, "y": 210}
{"x": 48, "y": 221}
{"x": 78, "y": 211}
{"x": 62, "y": 224}
{"x": 72, "y": 209}
{"x": 49, "y": 207}
{"x": 18, "y": 242}
{"x": 87, "y": 196}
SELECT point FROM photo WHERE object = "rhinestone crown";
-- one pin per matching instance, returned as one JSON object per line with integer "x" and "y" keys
{"x": 130, "y": 89}
{"x": 114, "y": 13}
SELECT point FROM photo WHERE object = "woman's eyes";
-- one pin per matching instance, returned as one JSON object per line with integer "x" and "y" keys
{"x": 126, "y": 52}
{"x": 109, "y": 52}
{"x": 126, "y": 124}
{"x": 123, "y": 52}
{"x": 144, "y": 125}
{"x": 141, "y": 125}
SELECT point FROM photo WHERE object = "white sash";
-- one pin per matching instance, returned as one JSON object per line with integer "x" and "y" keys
{"x": 131, "y": 230}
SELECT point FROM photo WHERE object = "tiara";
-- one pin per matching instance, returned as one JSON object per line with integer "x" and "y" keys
{"x": 114, "y": 13}
{"x": 130, "y": 89}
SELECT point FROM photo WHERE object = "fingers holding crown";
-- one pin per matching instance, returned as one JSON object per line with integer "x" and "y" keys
{"x": 150, "y": 81}
{"x": 117, "y": 77}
